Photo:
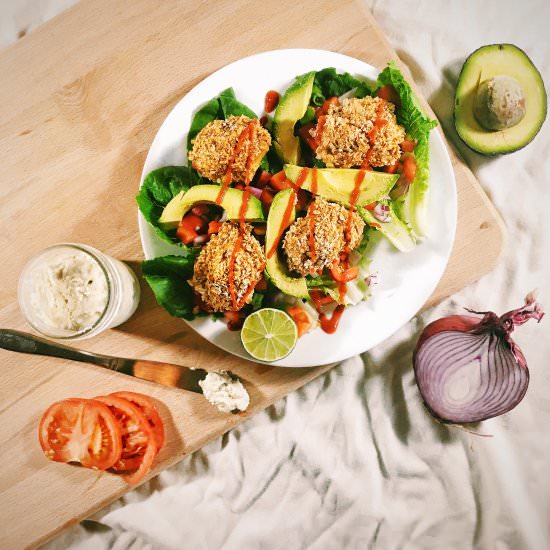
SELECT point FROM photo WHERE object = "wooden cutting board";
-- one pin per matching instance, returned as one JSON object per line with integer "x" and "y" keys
{"x": 80, "y": 101}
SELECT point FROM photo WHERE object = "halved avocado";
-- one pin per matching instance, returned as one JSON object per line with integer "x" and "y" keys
{"x": 183, "y": 202}
{"x": 500, "y": 100}
{"x": 337, "y": 184}
{"x": 291, "y": 108}
{"x": 275, "y": 266}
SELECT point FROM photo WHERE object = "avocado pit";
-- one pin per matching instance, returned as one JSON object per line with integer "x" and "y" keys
{"x": 499, "y": 103}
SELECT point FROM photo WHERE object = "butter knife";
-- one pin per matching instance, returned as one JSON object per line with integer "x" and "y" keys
{"x": 167, "y": 374}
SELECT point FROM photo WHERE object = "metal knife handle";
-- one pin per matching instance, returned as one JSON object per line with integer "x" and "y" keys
{"x": 15, "y": 340}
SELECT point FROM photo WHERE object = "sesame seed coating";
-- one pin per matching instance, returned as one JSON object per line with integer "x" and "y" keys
{"x": 211, "y": 272}
{"x": 215, "y": 145}
{"x": 330, "y": 222}
{"x": 345, "y": 137}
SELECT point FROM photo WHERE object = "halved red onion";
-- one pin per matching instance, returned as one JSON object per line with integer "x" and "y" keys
{"x": 255, "y": 191}
{"x": 382, "y": 213}
{"x": 469, "y": 369}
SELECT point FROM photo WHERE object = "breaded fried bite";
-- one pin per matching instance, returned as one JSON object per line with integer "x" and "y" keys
{"x": 215, "y": 144}
{"x": 211, "y": 273}
{"x": 329, "y": 229}
{"x": 345, "y": 140}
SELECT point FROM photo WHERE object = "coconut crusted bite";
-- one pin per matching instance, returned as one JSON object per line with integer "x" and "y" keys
{"x": 211, "y": 272}
{"x": 345, "y": 137}
{"x": 215, "y": 144}
{"x": 329, "y": 229}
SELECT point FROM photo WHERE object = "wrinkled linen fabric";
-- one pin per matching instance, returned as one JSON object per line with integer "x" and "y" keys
{"x": 353, "y": 460}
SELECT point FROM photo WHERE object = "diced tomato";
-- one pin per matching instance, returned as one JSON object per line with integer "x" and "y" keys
{"x": 392, "y": 168}
{"x": 320, "y": 298}
{"x": 301, "y": 318}
{"x": 190, "y": 227}
{"x": 214, "y": 227}
{"x": 266, "y": 198}
{"x": 409, "y": 168}
{"x": 81, "y": 430}
{"x": 240, "y": 187}
{"x": 344, "y": 276}
{"x": 200, "y": 210}
{"x": 261, "y": 284}
{"x": 234, "y": 320}
{"x": 389, "y": 93}
{"x": 305, "y": 134}
{"x": 323, "y": 110}
{"x": 148, "y": 408}
{"x": 408, "y": 145}
{"x": 371, "y": 206}
{"x": 303, "y": 199}
{"x": 279, "y": 181}
{"x": 185, "y": 235}
{"x": 263, "y": 179}
{"x": 259, "y": 230}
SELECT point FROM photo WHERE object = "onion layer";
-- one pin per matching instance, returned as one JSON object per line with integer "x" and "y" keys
{"x": 469, "y": 369}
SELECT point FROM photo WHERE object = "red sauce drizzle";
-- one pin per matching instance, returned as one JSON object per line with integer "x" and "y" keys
{"x": 288, "y": 211}
{"x": 330, "y": 324}
{"x": 311, "y": 214}
{"x": 250, "y": 133}
{"x": 319, "y": 130}
{"x": 271, "y": 101}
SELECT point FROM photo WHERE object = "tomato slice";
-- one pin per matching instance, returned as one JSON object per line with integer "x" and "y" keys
{"x": 138, "y": 441}
{"x": 81, "y": 430}
{"x": 147, "y": 407}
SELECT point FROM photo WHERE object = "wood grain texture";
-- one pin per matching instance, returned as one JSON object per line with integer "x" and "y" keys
{"x": 85, "y": 95}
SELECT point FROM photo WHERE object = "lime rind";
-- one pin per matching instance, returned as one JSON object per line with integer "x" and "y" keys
{"x": 269, "y": 334}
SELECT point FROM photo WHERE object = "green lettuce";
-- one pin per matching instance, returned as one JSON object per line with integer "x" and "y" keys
{"x": 328, "y": 83}
{"x": 158, "y": 189}
{"x": 418, "y": 127}
{"x": 167, "y": 276}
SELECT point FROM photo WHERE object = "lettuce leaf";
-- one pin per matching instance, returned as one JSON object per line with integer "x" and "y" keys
{"x": 418, "y": 127}
{"x": 158, "y": 189}
{"x": 167, "y": 276}
{"x": 328, "y": 83}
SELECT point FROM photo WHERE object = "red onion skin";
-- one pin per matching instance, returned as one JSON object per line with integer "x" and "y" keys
{"x": 255, "y": 191}
{"x": 501, "y": 327}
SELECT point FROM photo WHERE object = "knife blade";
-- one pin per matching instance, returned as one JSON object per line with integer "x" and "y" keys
{"x": 166, "y": 374}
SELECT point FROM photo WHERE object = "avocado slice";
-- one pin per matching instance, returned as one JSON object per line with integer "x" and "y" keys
{"x": 275, "y": 266}
{"x": 185, "y": 200}
{"x": 337, "y": 184}
{"x": 500, "y": 100}
{"x": 291, "y": 108}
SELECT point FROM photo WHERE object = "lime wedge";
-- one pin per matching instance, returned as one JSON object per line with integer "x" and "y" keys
{"x": 269, "y": 334}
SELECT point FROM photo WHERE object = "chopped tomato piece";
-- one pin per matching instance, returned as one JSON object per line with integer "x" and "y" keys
{"x": 214, "y": 227}
{"x": 200, "y": 210}
{"x": 259, "y": 230}
{"x": 301, "y": 318}
{"x": 138, "y": 440}
{"x": 148, "y": 408}
{"x": 305, "y": 134}
{"x": 409, "y": 168}
{"x": 279, "y": 181}
{"x": 323, "y": 110}
{"x": 392, "y": 168}
{"x": 240, "y": 187}
{"x": 234, "y": 320}
{"x": 344, "y": 276}
{"x": 266, "y": 198}
{"x": 261, "y": 284}
{"x": 185, "y": 235}
{"x": 303, "y": 199}
{"x": 320, "y": 298}
{"x": 408, "y": 145}
{"x": 371, "y": 206}
{"x": 81, "y": 430}
{"x": 263, "y": 179}
{"x": 389, "y": 93}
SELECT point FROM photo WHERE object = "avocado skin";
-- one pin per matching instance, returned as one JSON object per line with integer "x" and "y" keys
{"x": 456, "y": 113}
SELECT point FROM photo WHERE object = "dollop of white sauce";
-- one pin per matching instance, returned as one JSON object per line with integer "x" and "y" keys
{"x": 225, "y": 391}
{"x": 70, "y": 292}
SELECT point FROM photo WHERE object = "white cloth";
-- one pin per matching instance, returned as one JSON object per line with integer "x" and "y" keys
{"x": 353, "y": 460}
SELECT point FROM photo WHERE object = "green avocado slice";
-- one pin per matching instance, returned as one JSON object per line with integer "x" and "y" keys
{"x": 337, "y": 184}
{"x": 291, "y": 108}
{"x": 483, "y": 65}
{"x": 183, "y": 202}
{"x": 275, "y": 266}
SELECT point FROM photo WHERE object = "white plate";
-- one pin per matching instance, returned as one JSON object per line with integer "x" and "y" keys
{"x": 406, "y": 279}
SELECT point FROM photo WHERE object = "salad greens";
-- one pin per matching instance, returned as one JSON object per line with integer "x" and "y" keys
{"x": 329, "y": 83}
{"x": 418, "y": 127}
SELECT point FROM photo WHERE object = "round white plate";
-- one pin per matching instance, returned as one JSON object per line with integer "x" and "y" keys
{"x": 406, "y": 279}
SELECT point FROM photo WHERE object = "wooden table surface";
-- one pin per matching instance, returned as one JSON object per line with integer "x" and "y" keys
{"x": 81, "y": 100}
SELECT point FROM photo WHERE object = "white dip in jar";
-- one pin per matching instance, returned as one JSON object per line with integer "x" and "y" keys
{"x": 74, "y": 291}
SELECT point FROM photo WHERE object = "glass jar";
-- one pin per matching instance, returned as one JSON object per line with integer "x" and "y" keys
{"x": 73, "y": 291}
